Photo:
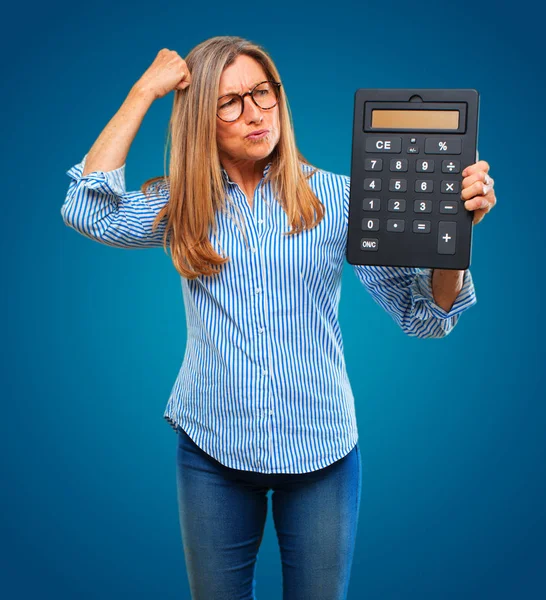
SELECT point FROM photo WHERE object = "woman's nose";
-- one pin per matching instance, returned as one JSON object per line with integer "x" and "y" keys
{"x": 251, "y": 111}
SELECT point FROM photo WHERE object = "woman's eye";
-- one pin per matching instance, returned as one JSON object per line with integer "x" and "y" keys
{"x": 228, "y": 103}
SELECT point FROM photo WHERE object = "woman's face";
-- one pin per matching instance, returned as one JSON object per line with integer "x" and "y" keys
{"x": 240, "y": 77}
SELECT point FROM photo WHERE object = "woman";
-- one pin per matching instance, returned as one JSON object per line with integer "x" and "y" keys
{"x": 262, "y": 400}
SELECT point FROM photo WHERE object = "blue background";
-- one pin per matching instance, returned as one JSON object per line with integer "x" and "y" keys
{"x": 451, "y": 430}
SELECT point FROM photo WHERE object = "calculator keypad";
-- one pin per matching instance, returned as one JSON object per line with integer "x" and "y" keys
{"x": 416, "y": 161}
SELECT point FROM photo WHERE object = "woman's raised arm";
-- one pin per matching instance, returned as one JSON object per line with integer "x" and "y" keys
{"x": 97, "y": 203}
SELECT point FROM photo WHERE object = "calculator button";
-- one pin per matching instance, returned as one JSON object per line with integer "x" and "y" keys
{"x": 451, "y": 166}
{"x": 373, "y": 164}
{"x": 371, "y": 204}
{"x": 422, "y": 206}
{"x": 413, "y": 140}
{"x": 421, "y": 226}
{"x": 423, "y": 185}
{"x": 372, "y": 184}
{"x": 398, "y": 185}
{"x": 370, "y": 224}
{"x": 399, "y": 164}
{"x": 424, "y": 165}
{"x": 383, "y": 144}
{"x": 412, "y": 150}
{"x": 446, "y": 237}
{"x": 450, "y": 187}
{"x": 397, "y": 205}
{"x": 369, "y": 244}
{"x": 450, "y": 208}
{"x": 395, "y": 225}
{"x": 438, "y": 145}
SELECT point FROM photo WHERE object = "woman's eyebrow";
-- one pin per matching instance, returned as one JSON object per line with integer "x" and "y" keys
{"x": 236, "y": 92}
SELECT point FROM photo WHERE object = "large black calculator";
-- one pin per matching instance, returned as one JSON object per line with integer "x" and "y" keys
{"x": 410, "y": 147}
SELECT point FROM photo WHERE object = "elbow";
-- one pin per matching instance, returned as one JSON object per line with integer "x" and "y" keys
{"x": 88, "y": 220}
{"x": 430, "y": 328}
{"x": 66, "y": 215}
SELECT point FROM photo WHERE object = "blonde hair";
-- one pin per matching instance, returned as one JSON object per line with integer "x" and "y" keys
{"x": 196, "y": 184}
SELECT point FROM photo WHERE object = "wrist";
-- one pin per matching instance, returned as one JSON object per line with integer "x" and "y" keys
{"x": 142, "y": 93}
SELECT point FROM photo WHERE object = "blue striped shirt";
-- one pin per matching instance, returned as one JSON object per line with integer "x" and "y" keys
{"x": 263, "y": 384}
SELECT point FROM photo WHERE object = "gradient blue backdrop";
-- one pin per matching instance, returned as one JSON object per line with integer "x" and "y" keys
{"x": 451, "y": 430}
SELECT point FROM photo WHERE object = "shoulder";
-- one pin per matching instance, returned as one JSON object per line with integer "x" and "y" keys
{"x": 335, "y": 182}
{"x": 157, "y": 188}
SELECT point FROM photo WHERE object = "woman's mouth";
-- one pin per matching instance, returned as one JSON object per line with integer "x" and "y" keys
{"x": 258, "y": 135}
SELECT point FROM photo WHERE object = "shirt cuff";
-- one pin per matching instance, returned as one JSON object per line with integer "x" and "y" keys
{"x": 423, "y": 298}
{"x": 108, "y": 182}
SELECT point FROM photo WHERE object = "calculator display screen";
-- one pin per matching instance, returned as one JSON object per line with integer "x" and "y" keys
{"x": 415, "y": 119}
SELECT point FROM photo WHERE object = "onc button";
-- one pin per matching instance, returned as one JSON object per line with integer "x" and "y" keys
{"x": 369, "y": 244}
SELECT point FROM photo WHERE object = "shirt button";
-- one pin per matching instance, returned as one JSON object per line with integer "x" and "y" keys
{"x": 258, "y": 290}
{"x": 261, "y": 330}
{"x": 264, "y": 372}
{"x": 270, "y": 412}
{"x": 253, "y": 249}
{"x": 260, "y": 221}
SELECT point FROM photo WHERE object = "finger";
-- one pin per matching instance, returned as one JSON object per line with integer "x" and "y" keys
{"x": 480, "y": 184}
{"x": 481, "y": 165}
{"x": 478, "y": 203}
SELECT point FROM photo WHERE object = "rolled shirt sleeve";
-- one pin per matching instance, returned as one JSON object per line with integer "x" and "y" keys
{"x": 406, "y": 294}
{"x": 98, "y": 206}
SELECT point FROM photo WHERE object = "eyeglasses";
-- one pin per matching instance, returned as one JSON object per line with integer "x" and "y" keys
{"x": 264, "y": 95}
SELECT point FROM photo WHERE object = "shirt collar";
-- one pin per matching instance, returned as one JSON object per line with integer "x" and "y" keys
{"x": 226, "y": 176}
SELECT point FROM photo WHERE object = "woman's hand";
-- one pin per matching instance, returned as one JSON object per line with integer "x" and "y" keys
{"x": 478, "y": 190}
{"x": 168, "y": 72}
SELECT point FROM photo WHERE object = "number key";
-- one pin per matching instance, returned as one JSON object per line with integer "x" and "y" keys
{"x": 372, "y": 184}
{"x": 373, "y": 164}
{"x": 398, "y": 185}
{"x": 399, "y": 164}
{"x": 370, "y": 204}
{"x": 370, "y": 224}
{"x": 422, "y": 206}
{"x": 424, "y": 165}
{"x": 423, "y": 185}
{"x": 397, "y": 205}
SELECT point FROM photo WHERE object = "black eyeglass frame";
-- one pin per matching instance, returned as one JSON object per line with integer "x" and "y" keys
{"x": 250, "y": 93}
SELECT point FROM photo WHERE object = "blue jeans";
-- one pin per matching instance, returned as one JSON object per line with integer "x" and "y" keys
{"x": 223, "y": 513}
